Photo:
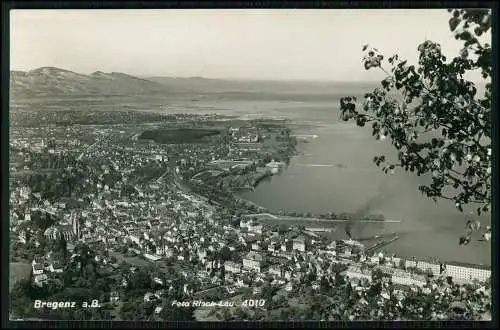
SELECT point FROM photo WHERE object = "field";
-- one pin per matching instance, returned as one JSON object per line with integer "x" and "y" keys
{"x": 18, "y": 271}
{"x": 136, "y": 261}
{"x": 180, "y": 135}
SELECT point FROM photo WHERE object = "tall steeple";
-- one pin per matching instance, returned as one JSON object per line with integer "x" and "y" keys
{"x": 76, "y": 225}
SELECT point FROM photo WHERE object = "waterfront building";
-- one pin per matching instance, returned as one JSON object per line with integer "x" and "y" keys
{"x": 410, "y": 263}
{"x": 464, "y": 271}
{"x": 435, "y": 268}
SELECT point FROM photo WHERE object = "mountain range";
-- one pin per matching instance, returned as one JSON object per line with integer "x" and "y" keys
{"x": 51, "y": 81}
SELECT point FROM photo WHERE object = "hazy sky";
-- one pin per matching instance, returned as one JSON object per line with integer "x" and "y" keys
{"x": 246, "y": 44}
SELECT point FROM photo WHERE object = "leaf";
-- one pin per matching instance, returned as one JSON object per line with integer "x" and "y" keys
{"x": 365, "y": 47}
{"x": 454, "y": 22}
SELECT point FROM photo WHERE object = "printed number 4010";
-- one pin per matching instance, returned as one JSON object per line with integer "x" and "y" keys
{"x": 253, "y": 303}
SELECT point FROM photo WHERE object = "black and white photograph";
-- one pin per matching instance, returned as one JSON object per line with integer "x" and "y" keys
{"x": 217, "y": 165}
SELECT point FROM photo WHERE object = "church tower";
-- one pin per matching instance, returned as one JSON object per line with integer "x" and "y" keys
{"x": 76, "y": 225}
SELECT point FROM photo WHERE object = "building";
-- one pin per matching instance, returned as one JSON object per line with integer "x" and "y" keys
{"x": 37, "y": 269}
{"x": 52, "y": 233}
{"x": 257, "y": 290}
{"x": 410, "y": 263}
{"x": 464, "y": 271}
{"x": 114, "y": 296}
{"x": 135, "y": 237}
{"x": 161, "y": 250}
{"x": 253, "y": 261}
{"x": 148, "y": 297}
{"x": 151, "y": 257}
{"x": 56, "y": 267}
{"x": 435, "y": 268}
{"x": 299, "y": 244}
{"x": 276, "y": 271}
{"x": 234, "y": 130}
{"x": 202, "y": 254}
{"x": 232, "y": 267}
{"x": 69, "y": 232}
{"x": 275, "y": 165}
{"x": 286, "y": 246}
{"x": 255, "y": 227}
{"x": 396, "y": 261}
{"x": 354, "y": 272}
{"x": 405, "y": 279}
{"x": 40, "y": 280}
{"x": 244, "y": 223}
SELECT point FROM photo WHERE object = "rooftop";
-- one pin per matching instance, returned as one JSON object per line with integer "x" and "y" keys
{"x": 254, "y": 256}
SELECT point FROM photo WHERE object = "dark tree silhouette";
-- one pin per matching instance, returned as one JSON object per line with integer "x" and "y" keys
{"x": 439, "y": 124}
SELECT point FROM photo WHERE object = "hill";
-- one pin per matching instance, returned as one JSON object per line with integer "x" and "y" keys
{"x": 51, "y": 81}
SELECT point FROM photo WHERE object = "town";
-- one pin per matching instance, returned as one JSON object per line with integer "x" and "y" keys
{"x": 139, "y": 210}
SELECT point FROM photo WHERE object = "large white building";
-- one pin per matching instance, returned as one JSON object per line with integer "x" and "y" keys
{"x": 434, "y": 267}
{"x": 409, "y": 263}
{"x": 467, "y": 271}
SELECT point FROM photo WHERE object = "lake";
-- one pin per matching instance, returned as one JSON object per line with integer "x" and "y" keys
{"x": 426, "y": 228}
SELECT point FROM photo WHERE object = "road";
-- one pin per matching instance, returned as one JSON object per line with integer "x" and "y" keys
{"x": 206, "y": 290}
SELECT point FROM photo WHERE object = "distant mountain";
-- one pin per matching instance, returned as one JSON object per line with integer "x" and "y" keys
{"x": 51, "y": 81}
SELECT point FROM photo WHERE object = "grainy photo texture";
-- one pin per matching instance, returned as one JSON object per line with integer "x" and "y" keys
{"x": 237, "y": 165}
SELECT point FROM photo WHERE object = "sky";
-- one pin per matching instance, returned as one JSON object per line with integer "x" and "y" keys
{"x": 267, "y": 44}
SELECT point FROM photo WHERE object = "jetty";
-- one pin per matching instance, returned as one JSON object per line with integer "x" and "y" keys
{"x": 382, "y": 243}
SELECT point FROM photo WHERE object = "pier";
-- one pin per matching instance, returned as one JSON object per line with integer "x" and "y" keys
{"x": 381, "y": 244}
{"x": 268, "y": 216}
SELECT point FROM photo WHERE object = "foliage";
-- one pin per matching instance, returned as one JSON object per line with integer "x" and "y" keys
{"x": 440, "y": 124}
